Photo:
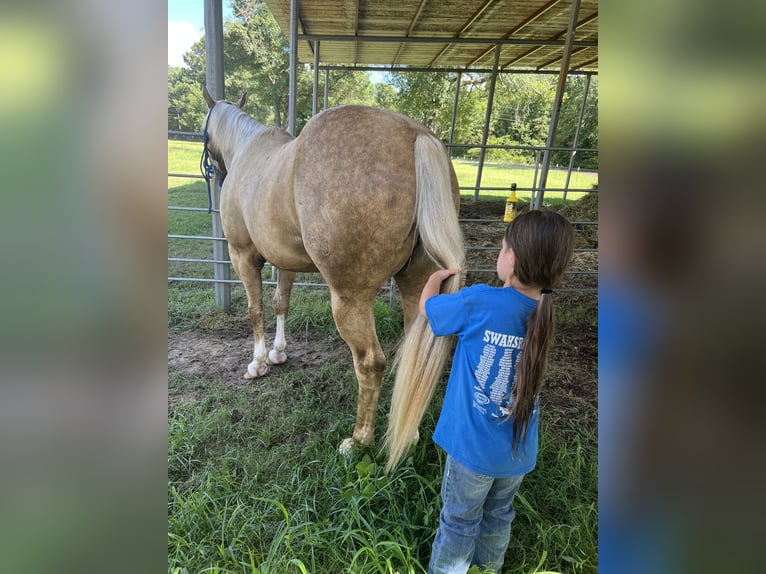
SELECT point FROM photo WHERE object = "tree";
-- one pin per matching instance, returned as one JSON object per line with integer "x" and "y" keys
{"x": 472, "y": 107}
{"x": 385, "y": 96}
{"x": 349, "y": 87}
{"x": 185, "y": 105}
{"x": 186, "y": 108}
{"x": 522, "y": 108}
{"x": 256, "y": 60}
{"x": 426, "y": 97}
{"x": 570, "y": 110}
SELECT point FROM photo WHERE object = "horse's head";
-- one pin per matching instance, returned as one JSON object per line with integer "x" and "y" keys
{"x": 212, "y": 147}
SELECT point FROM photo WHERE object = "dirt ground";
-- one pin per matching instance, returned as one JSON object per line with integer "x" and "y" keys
{"x": 571, "y": 385}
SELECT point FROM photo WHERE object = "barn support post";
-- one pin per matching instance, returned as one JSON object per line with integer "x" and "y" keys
{"x": 315, "y": 91}
{"x": 293, "y": 75}
{"x": 577, "y": 134}
{"x": 487, "y": 118}
{"x": 557, "y": 103}
{"x": 454, "y": 111}
{"x": 326, "y": 87}
{"x": 215, "y": 85}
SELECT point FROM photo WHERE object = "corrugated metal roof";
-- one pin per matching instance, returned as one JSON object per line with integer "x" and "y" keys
{"x": 447, "y": 34}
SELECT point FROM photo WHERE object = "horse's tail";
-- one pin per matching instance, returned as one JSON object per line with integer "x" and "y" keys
{"x": 422, "y": 355}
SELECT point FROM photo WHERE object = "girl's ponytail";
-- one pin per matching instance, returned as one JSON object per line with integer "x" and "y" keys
{"x": 533, "y": 363}
{"x": 542, "y": 242}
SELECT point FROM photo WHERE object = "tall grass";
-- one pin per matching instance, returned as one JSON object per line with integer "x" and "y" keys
{"x": 256, "y": 485}
{"x": 270, "y": 494}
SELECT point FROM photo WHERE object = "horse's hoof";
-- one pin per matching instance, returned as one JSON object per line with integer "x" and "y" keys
{"x": 256, "y": 369}
{"x": 346, "y": 448}
{"x": 277, "y": 357}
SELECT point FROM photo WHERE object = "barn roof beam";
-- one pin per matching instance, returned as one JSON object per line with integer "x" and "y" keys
{"x": 410, "y": 28}
{"x": 468, "y": 23}
{"x": 580, "y": 24}
{"x": 442, "y": 40}
{"x": 520, "y": 26}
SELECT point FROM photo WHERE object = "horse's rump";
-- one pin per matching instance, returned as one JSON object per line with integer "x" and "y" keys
{"x": 355, "y": 175}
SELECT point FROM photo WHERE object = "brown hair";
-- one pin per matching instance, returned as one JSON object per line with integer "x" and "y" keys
{"x": 542, "y": 242}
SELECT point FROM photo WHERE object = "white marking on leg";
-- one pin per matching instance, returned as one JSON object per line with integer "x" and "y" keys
{"x": 277, "y": 355}
{"x": 260, "y": 364}
{"x": 347, "y": 446}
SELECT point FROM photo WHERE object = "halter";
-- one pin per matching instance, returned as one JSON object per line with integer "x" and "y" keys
{"x": 206, "y": 165}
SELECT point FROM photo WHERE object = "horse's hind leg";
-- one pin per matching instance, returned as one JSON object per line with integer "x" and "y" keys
{"x": 410, "y": 280}
{"x": 356, "y": 324}
{"x": 248, "y": 264}
{"x": 281, "y": 303}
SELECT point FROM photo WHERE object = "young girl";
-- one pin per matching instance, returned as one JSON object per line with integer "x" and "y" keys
{"x": 488, "y": 423}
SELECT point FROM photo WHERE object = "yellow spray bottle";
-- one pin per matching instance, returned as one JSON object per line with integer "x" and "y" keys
{"x": 510, "y": 205}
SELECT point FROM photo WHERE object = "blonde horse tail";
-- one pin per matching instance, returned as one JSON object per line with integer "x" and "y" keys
{"x": 421, "y": 356}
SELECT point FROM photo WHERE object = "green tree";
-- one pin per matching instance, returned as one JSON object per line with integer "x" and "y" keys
{"x": 349, "y": 87}
{"x": 385, "y": 96}
{"x": 256, "y": 61}
{"x": 186, "y": 108}
{"x": 570, "y": 110}
{"x": 185, "y": 105}
{"x": 426, "y": 97}
{"x": 522, "y": 109}
{"x": 472, "y": 107}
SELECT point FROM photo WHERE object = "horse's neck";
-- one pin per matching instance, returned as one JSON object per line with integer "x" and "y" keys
{"x": 241, "y": 129}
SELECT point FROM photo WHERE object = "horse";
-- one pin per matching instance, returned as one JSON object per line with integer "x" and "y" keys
{"x": 360, "y": 196}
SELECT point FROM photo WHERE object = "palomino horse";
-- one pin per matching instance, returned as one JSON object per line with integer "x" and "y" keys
{"x": 361, "y": 195}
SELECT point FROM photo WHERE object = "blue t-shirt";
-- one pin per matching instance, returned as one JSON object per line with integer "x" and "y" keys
{"x": 474, "y": 426}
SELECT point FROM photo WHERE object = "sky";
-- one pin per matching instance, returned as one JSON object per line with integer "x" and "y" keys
{"x": 186, "y": 25}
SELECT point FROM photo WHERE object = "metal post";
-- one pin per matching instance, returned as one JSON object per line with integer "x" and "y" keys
{"x": 326, "y": 84}
{"x": 557, "y": 102}
{"x": 293, "y": 78}
{"x": 454, "y": 111}
{"x": 314, "y": 94}
{"x": 485, "y": 133}
{"x": 534, "y": 179}
{"x": 214, "y": 82}
{"x": 577, "y": 134}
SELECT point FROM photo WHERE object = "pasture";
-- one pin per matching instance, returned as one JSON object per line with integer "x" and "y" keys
{"x": 255, "y": 481}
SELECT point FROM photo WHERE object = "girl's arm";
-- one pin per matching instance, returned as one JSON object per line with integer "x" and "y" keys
{"x": 433, "y": 286}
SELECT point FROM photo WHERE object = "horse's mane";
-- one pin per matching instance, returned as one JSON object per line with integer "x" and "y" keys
{"x": 232, "y": 126}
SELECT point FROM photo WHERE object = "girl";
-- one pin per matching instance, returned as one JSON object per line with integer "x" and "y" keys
{"x": 488, "y": 423}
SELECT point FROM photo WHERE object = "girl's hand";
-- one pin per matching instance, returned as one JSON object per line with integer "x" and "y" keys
{"x": 433, "y": 286}
{"x": 443, "y": 274}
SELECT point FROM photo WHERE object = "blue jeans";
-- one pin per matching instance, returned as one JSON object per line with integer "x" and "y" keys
{"x": 475, "y": 521}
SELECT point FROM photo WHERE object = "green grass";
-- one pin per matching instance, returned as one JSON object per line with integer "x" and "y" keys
{"x": 255, "y": 482}
{"x": 183, "y": 157}
{"x": 257, "y": 485}
{"x": 500, "y": 175}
